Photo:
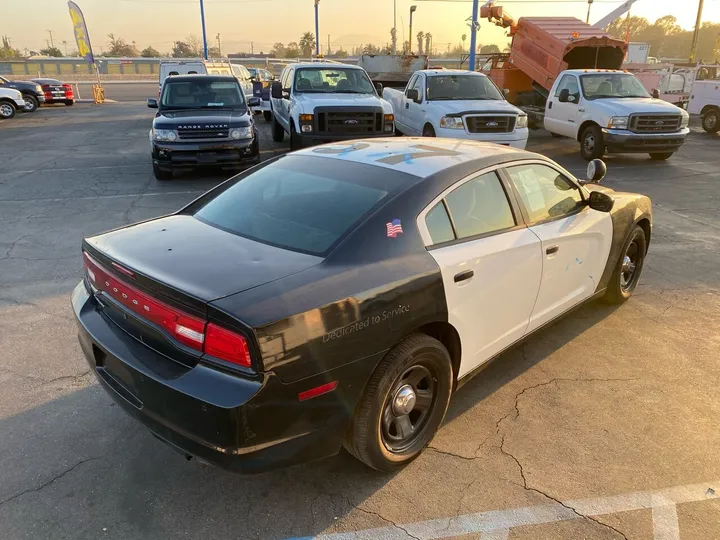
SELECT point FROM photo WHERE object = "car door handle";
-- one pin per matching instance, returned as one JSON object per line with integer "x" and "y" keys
{"x": 407, "y": 105}
{"x": 550, "y": 105}
{"x": 462, "y": 276}
{"x": 552, "y": 250}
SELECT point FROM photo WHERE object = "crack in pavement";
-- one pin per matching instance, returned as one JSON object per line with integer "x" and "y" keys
{"x": 386, "y": 520}
{"x": 73, "y": 377}
{"x": 46, "y": 484}
{"x": 548, "y": 496}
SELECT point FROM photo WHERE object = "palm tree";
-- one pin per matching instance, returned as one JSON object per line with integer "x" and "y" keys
{"x": 64, "y": 42}
{"x": 420, "y": 37}
{"x": 428, "y": 41}
{"x": 307, "y": 43}
{"x": 464, "y": 37}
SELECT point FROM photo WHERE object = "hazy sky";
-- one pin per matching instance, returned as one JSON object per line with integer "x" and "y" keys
{"x": 264, "y": 22}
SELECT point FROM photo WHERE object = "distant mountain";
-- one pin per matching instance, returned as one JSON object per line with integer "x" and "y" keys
{"x": 353, "y": 40}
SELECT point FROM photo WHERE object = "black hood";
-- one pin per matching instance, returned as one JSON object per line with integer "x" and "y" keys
{"x": 22, "y": 85}
{"x": 202, "y": 118}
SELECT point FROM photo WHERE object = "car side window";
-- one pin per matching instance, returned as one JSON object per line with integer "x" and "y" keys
{"x": 480, "y": 206}
{"x": 544, "y": 192}
{"x": 411, "y": 84}
{"x": 439, "y": 225}
{"x": 287, "y": 78}
{"x": 570, "y": 83}
{"x": 420, "y": 87}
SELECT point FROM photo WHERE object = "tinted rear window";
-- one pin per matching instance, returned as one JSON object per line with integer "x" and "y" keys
{"x": 302, "y": 203}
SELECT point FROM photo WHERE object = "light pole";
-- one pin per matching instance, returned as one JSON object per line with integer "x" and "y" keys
{"x": 317, "y": 29}
{"x": 51, "y": 39}
{"x": 587, "y": 19}
{"x": 473, "y": 33}
{"x": 394, "y": 26}
{"x": 204, "y": 34}
{"x": 410, "y": 37}
{"x": 218, "y": 40}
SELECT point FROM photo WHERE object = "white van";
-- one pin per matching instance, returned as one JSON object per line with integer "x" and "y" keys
{"x": 202, "y": 67}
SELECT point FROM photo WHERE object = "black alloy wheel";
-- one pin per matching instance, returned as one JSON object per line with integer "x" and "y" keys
{"x": 31, "y": 103}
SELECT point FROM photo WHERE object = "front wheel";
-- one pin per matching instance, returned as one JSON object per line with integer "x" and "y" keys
{"x": 278, "y": 133}
{"x": 628, "y": 268}
{"x": 7, "y": 110}
{"x": 592, "y": 145}
{"x": 428, "y": 131}
{"x": 267, "y": 116}
{"x": 295, "y": 143}
{"x": 162, "y": 174}
{"x": 711, "y": 121}
{"x": 31, "y": 103}
{"x": 661, "y": 156}
{"x": 403, "y": 405}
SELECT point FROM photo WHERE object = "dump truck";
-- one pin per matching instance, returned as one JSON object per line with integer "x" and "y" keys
{"x": 566, "y": 75}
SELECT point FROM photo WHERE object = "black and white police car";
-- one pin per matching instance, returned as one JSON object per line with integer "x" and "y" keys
{"x": 337, "y": 296}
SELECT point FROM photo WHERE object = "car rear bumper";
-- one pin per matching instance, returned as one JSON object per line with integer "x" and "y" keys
{"x": 619, "y": 140}
{"x": 232, "y": 422}
{"x": 516, "y": 139}
{"x": 226, "y": 153}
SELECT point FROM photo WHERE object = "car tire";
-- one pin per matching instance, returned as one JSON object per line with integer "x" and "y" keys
{"x": 628, "y": 268}
{"x": 661, "y": 156}
{"x": 278, "y": 133}
{"x": 711, "y": 121}
{"x": 69, "y": 103}
{"x": 162, "y": 174}
{"x": 428, "y": 131}
{"x": 7, "y": 110}
{"x": 557, "y": 135}
{"x": 592, "y": 145}
{"x": 295, "y": 143}
{"x": 267, "y": 116}
{"x": 418, "y": 365}
{"x": 31, "y": 103}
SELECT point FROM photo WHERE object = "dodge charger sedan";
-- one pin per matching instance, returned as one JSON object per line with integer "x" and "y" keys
{"x": 339, "y": 295}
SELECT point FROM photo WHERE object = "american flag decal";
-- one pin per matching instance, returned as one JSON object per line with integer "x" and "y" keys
{"x": 394, "y": 228}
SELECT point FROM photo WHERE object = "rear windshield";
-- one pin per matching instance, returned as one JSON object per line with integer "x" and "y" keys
{"x": 303, "y": 203}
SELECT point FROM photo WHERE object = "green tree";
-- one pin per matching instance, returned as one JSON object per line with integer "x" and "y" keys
{"x": 188, "y": 48}
{"x": 213, "y": 52}
{"x": 307, "y": 44}
{"x": 51, "y": 51}
{"x": 119, "y": 47}
{"x": 149, "y": 52}
{"x": 619, "y": 26}
{"x": 489, "y": 49}
{"x": 292, "y": 50}
{"x": 420, "y": 38}
{"x": 370, "y": 49}
{"x": 278, "y": 50}
{"x": 340, "y": 53}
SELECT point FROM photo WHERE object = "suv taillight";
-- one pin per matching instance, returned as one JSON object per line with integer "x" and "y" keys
{"x": 189, "y": 330}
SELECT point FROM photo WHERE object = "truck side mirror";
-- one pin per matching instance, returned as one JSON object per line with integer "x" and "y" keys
{"x": 276, "y": 90}
{"x": 564, "y": 96}
{"x": 413, "y": 95}
{"x": 152, "y": 103}
{"x": 379, "y": 88}
{"x": 254, "y": 102}
{"x": 506, "y": 92}
{"x": 656, "y": 93}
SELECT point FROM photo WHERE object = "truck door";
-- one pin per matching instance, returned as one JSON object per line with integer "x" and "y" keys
{"x": 281, "y": 107}
{"x": 414, "y": 113}
{"x": 561, "y": 118}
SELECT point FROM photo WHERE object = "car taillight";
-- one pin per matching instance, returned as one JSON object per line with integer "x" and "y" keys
{"x": 69, "y": 93}
{"x": 187, "y": 329}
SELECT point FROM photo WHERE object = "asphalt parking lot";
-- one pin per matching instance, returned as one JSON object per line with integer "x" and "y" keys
{"x": 603, "y": 426}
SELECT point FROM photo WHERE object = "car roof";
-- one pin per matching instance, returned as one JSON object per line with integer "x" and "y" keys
{"x": 581, "y": 71}
{"x": 451, "y": 72}
{"x": 421, "y": 157}
{"x": 200, "y": 77}
{"x": 324, "y": 65}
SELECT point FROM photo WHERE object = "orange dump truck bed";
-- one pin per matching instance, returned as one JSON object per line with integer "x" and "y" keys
{"x": 542, "y": 47}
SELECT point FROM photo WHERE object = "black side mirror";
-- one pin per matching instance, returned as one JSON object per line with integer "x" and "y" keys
{"x": 379, "y": 88}
{"x": 413, "y": 95}
{"x": 276, "y": 90}
{"x": 152, "y": 103}
{"x": 254, "y": 102}
{"x": 656, "y": 93}
{"x": 602, "y": 202}
{"x": 564, "y": 96}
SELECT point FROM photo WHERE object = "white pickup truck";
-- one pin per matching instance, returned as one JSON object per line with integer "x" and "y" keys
{"x": 11, "y": 100}
{"x": 610, "y": 110}
{"x": 705, "y": 100}
{"x": 319, "y": 102}
{"x": 457, "y": 104}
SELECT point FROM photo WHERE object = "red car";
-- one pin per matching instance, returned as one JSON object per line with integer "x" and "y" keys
{"x": 56, "y": 91}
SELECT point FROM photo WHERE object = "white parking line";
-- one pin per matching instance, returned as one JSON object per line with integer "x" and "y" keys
{"x": 89, "y": 198}
{"x": 28, "y": 171}
{"x": 495, "y": 524}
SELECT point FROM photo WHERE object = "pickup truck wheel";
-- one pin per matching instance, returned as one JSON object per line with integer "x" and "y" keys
{"x": 661, "y": 156}
{"x": 161, "y": 174}
{"x": 295, "y": 143}
{"x": 592, "y": 145}
{"x": 267, "y": 116}
{"x": 428, "y": 131}
{"x": 31, "y": 103}
{"x": 278, "y": 133}
{"x": 7, "y": 110}
{"x": 711, "y": 121}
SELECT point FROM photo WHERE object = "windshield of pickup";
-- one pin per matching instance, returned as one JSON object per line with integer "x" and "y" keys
{"x": 456, "y": 87}
{"x": 332, "y": 81}
{"x": 201, "y": 94}
{"x": 612, "y": 85}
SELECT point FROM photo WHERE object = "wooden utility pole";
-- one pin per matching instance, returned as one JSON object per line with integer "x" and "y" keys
{"x": 698, "y": 22}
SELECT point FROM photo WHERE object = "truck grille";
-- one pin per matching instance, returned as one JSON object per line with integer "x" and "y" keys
{"x": 203, "y": 133}
{"x": 350, "y": 122}
{"x": 490, "y": 124}
{"x": 655, "y": 123}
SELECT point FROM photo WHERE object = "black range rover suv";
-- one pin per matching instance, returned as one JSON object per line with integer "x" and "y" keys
{"x": 202, "y": 120}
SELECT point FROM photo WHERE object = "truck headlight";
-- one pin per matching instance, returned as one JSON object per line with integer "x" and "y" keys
{"x": 39, "y": 89}
{"x": 451, "y": 122}
{"x": 306, "y": 128}
{"x": 241, "y": 133}
{"x": 618, "y": 122}
{"x": 522, "y": 121}
{"x": 685, "y": 122}
{"x": 164, "y": 135}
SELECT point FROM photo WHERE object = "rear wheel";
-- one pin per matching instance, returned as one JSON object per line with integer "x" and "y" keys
{"x": 403, "y": 405}
{"x": 661, "y": 156}
{"x": 162, "y": 174}
{"x": 711, "y": 121}
{"x": 628, "y": 268}
{"x": 267, "y": 116}
{"x": 69, "y": 103}
{"x": 592, "y": 145}
{"x": 7, "y": 110}
{"x": 31, "y": 103}
{"x": 428, "y": 131}
{"x": 278, "y": 133}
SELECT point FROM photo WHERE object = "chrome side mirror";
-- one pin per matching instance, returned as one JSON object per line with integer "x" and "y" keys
{"x": 596, "y": 171}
